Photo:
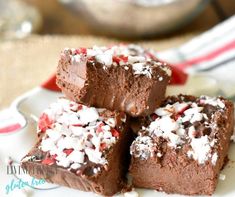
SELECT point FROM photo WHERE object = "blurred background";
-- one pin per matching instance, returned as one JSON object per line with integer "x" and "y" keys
{"x": 123, "y": 19}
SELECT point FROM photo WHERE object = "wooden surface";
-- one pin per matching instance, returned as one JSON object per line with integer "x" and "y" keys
{"x": 27, "y": 63}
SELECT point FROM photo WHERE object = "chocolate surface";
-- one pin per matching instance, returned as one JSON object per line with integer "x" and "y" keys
{"x": 182, "y": 147}
{"x": 81, "y": 147}
{"x": 125, "y": 78}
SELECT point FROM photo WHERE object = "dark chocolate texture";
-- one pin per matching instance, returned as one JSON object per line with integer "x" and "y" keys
{"x": 185, "y": 156}
{"x": 81, "y": 147}
{"x": 131, "y": 82}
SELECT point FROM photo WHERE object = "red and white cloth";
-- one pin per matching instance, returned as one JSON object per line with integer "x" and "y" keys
{"x": 8, "y": 122}
{"x": 212, "y": 53}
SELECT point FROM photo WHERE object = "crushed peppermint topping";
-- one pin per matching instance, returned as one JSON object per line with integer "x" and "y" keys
{"x": 212, "y": 101}
{"x": 201, "y": 149}
{"x": 139, "y": 59}
{"x": 143, "y": 146}
{"x": 179, "y": 123}
{"x": 75, "y": 133}
{"x": 141, "y": 68}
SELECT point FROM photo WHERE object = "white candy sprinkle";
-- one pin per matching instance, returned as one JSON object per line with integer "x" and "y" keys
{"x": 163, "y": 111}
{"x": 143, "y": 147}
{"x": 212, "y": 101}
{"x": 68, "y": 119}
{"x": 106, "y": 58}
{"x": 47, "y": 144}
{"x": 76, "y": 156}
{"x": 164, "y": 127}
{"x": 54, "y": 135}
{"x": 214, "y": 158}
{"x": 75, "y": 59}
{"x": 166, "y": 69}
{"x": 193, "y": 114}
{"x": 75, "y": 166}
{"x": 159, "y": 155}
{"x": 222, "y": 177}
{"x": 111, "y": 122}
{"x": 95, "y": 156}
{"x": 175, "y": 123}
{"x": 77, "y": 131}
{"x": 64, "y": 162}
{"x": 88, "y": 115}
{"x": 180, "y": 106}
{"x": 134, "y": 59}
{"x": 200, "y": 149}
{"x": 138, "y": 67}
{"x": 191, "y": 132}
{"x": 96, "y": 170}
{"x": 125, "y": 54}
{"x": 72, "y": 136}
{"x": 142, "y": 69}
{"x": 233, "y": 138}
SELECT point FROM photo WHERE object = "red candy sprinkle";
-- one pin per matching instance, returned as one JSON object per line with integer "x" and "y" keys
{"x": 77, "y": 125}
{"x": 68, "y": 151}
{"x": 201, "y": 101}
{"x": 92, "y": 58}
{"x": 81, "y": 51}
{"x": 89, "y": 136}
{"x": 117, "y": 59}
{"x": 115, "y": 133}
{"x": 180, "y": 113}
{"x": 99, "y": 128}
{"x": 44, "y": 122}
{"x": 49, "y": 160}
{"x": 103, "y": 146}
{"x": 78, "y": 172}
{"x": 79, "y": 107}
{"x": 154, "y": 116}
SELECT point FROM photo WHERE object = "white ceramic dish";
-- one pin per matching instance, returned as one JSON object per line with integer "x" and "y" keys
{"x": 18, "y": 143}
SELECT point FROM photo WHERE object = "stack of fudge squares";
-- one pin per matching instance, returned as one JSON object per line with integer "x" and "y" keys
{"x": 115, "y": 120}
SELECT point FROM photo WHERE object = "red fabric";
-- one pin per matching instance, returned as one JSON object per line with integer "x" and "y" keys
{"x": 50, "y": 84}
{"x": 179, "y": 77}
{"x": 10, "y": 128}
{"x": 207, "y": 57}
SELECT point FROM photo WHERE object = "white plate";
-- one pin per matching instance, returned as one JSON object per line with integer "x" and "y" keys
{"x": 31, "y": 104}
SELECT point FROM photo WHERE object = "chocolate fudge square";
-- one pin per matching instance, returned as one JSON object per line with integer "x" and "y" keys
{"x": 81, "y": 147}
{"x": 183, "y": 145}
{"x": 126, "y": 78}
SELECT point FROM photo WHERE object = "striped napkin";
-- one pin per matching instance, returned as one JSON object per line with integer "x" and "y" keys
{"x": 211, "y": 54}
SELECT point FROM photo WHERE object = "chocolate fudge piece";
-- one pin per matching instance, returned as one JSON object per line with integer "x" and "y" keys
{"x": 183, "y": 145}
{"x": 125, "y": 78}
{"x": 81, "y": 147}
